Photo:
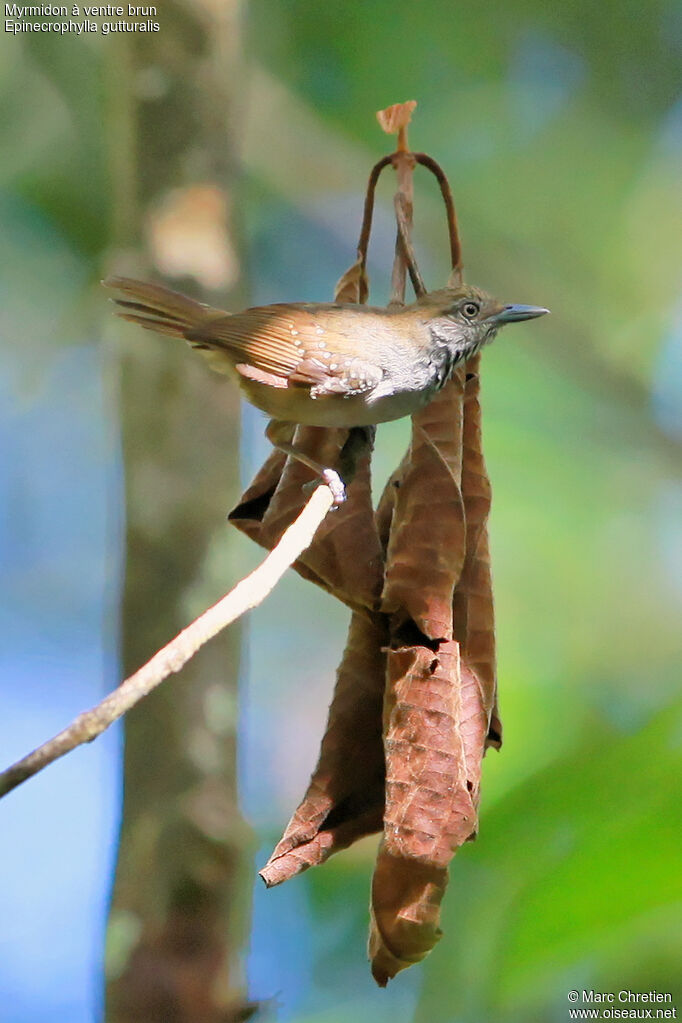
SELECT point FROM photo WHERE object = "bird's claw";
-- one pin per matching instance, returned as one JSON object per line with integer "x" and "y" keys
{"x": 332, "y": 479}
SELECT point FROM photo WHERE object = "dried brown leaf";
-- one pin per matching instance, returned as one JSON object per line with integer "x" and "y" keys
{"x": 433, "y": 730}
{"x": 427, "y": 543}
{"x": 476, "y": 488}
{"x": 473, "y": 623}
{"x": 397, "y": 116}
{"x": 248, "y": 514}
{"x": 435, "y": 734}
{"x": 345, "y": 798}
{"x": 473, "y": 612}
{"x": 404, "y": 914}
{"x": 353, "y": 737}
{"x": 345, "y": 557}
{"x": 353, "y": 286}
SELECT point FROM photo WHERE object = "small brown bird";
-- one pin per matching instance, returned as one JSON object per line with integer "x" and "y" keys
{"x": 328, "y": 365}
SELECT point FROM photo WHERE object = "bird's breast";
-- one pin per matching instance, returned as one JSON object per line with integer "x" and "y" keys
{"x": 294, "y": 404}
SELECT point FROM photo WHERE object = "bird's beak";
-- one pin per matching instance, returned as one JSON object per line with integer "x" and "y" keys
{"x": 514, "y": 313}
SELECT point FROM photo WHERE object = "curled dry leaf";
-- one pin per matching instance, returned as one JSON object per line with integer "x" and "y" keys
{"x": 455, "y": 279}
{"x": 353, "y": 286}
{"x": 345, "y": 798}
{"x": 276, "y": 497}
{"x": 404, "y": 913}
{"x": 395, "y": 117}
{"x": 387, "y": 504}
{"x": 475, "y": 483}
{"x": 434, "y": 729}
{"x": 427, "y": 544}
{"x": 473, "y": 620}
{"x": 434, "y": 740}
{"x": 438, "y": 706}
{"x": 473, "y": 611}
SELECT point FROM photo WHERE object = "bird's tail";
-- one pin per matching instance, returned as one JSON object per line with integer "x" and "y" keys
{"x": 157, "y": 308}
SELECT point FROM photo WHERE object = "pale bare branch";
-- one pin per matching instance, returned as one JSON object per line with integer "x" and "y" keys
{"x": 247, "y": 594}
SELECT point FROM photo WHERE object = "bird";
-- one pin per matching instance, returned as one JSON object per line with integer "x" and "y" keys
{"x": 328, "y": 364}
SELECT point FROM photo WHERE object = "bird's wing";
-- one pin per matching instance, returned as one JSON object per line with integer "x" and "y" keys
{"x": 287, "y": 345}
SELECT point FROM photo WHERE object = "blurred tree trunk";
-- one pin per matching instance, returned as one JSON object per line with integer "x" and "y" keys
{"x": 181, "y": 897}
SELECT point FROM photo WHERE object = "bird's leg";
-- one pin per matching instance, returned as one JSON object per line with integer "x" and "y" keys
{"x": 278, "y": 433}
{"x": 358, "y": 441}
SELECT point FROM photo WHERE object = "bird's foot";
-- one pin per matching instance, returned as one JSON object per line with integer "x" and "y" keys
{"x": 330, "y": 478}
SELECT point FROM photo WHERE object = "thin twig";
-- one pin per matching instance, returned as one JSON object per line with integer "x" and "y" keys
{"x": 408, "y": 253}
{"x": 365, "y": 230}
{"x": 455, "y": 245}
{"x": 403, "y": 161}
{"x": 247, "y": 594}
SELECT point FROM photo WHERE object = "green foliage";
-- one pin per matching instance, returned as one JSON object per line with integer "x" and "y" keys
{"x": 577, "y": 862}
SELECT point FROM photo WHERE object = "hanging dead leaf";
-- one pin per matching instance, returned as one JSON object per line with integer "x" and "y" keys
{"x": 427, "y": 544}
{"x": 397, "y": 116}
{"x": 435, "y": 734}
{"x": 345, "y": 798}
{"x": 455, "y": 278}
{"x": 429, "y": 811}
{"x": 345, "y": 558}
{"x": 473, "y": 612}
{"x": 353, "y": 286}
{"x": 404, "y": 913}
{"x": 473, "y": 625}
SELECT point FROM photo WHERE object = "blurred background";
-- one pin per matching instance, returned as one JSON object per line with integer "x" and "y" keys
{"x": 229, "y": 153}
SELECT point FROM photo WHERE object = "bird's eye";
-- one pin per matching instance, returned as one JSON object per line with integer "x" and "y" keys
{"x": 470, "y": 310}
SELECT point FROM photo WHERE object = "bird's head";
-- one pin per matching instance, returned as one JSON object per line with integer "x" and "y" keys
{"x": 466, "y": 318}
